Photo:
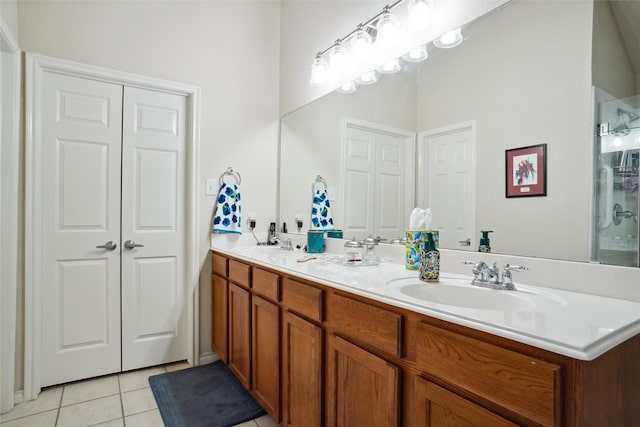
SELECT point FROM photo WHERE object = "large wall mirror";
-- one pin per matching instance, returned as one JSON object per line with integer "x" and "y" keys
{"x": 522, "y": 77}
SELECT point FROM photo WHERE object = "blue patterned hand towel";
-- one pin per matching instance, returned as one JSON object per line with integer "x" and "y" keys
{"x": 227, "y": 218}
{"x": 321, "y": 211}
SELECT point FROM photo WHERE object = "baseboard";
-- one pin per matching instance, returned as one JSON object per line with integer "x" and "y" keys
{"x": 208, "y": 357}
{"x": 18, "y": 396}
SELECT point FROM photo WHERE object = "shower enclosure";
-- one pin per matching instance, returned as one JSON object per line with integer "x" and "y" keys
{"x": 616, "y": 182}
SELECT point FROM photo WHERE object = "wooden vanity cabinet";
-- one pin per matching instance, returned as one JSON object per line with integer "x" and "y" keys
{"x": 316, "y": 356}
{"x": 219, "y": 307}
{"x": 240, "y": 333}
{"x": 302, "y": 355}
{"x": 439, "y": 407}
{"x": 265, "y": 339}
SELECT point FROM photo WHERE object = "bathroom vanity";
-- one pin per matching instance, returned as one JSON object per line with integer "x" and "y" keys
{"x": 322, "y": 344}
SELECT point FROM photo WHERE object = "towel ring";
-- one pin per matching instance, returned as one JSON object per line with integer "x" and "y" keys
{"x": 232, "y": 173}
{"x": 319, "y": 180}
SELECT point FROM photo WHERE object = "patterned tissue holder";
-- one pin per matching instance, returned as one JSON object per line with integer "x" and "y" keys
{"x": 414, "y": 246}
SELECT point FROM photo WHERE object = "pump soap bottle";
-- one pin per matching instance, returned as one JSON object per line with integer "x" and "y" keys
{"x": 485, "y": 245}
{"x": 430, "y": 260}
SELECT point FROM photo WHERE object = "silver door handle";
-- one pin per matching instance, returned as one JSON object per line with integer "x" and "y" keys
{"x": 465, "y": 242}
{"x": 130, "y": 244}
{"x": 110, "y": 245}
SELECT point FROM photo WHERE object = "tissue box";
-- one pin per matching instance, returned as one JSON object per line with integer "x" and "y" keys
{"x": 415, "y": 245}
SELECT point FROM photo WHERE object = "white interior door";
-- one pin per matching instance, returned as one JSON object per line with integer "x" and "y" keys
{"x": 358, "y": 182}
{"x": 449, "y": 157}
{"x": 378, "y": 180}
{"x": 153, "y": 216}
{"x": 81, "y": 148}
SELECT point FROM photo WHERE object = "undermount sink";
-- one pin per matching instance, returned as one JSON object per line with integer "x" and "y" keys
{"x": 460, "y": 293}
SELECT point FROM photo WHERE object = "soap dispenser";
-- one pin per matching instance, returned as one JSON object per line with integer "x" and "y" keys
{"x": 430, "y": 260}
{"x": 485, "y": 245}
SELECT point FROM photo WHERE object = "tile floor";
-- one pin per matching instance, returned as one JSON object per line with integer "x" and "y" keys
{"x": 119, "y": 400}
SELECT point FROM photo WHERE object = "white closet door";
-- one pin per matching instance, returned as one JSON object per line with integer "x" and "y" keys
{"x": 391, "y": 213}
{"x": 451, "y": 181}
{"x": 359, "y": 179}
{"x": 153, "y": 215}
{"x": 80, "y": 177}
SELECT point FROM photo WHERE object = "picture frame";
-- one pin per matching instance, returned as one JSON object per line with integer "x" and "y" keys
{"x": 526, "y": 171}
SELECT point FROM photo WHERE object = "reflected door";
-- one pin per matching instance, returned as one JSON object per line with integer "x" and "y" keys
{"x": 377, "y": 180}
{"x": 447, "y": 166}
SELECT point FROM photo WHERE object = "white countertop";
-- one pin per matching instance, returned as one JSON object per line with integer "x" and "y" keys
{"x": 573, "y": 324}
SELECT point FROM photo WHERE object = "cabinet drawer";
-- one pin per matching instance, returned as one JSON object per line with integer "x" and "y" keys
{"x": 266, "y": 283}
{"x": 365, "y": 323}
{"x": 219, "y": 264}
{"x": 239, "y": 273}
{"x": 522, "y": 384}
{"x": 303, "y": 299}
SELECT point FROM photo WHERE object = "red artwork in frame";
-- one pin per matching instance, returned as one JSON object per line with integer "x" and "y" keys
{"x": 526, "y": 171}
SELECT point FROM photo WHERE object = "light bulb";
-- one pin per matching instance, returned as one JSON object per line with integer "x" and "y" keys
{"x": 360, "y": 45}
{"x": 416, "y": 54}
{"x": 388, "y": 29}
{"x": 368, "y": 78}
{"x": 419, "y": 13}
{"x": 319, "y": 71}
{"x": 390, "y": 67}
{"x": 348, "y": 87}
{"x": 451, "y": 39}
{"x": 337, "y": 59}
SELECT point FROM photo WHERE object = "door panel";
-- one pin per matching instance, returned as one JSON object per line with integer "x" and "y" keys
{"x": 80, "y": 191}
{"x": 450, "y": 176}
{"x": 153, "y": 170}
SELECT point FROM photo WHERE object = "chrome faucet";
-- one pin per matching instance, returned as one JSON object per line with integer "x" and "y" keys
{"x": 489, "y": 277}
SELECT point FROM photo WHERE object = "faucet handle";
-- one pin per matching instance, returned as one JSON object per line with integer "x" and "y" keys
{"x": 507, "y": 280}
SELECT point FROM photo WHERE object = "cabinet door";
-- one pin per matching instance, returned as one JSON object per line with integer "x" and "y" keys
{"x": 438, "y": 407}
{"x": 266, "y": 354}
{"x": 302, "y": 372}
{"x": 362, "y": 388}
{"x": 240, "y": 333}
{"x": 219, "y": 323}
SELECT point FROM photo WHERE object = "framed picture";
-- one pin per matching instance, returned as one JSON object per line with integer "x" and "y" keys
{"x": 526, "y": 171}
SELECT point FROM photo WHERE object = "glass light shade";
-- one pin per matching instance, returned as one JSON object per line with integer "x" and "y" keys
{"x": 451, "y": 39}
{"x": 368, "y": 78}
{"x": 388, "y": 30}
{"x": 337, "y": 59}
{"x": 390, "y": 67}
{"x": 416, "y": 54}
{"x": 319, "y": 71}
{"x": 360, "y": 45}
{"x": 348, "y": 87}
{"x": 419, "y": 13}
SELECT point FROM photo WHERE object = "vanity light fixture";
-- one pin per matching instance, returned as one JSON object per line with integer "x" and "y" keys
{"x": 388, "y": 31}
{"x": 361, "y": 44}
{"x": 450, "y": 39}
{"x": 417, "y": 54}
{"x": 368, "y": 78}
{"x": 374, "y": 42}
{"x": 419, "y": 14}
{"x": 319, "y": 71}
{"x": 348, "y": 87}
{"x": 390, "y": 67}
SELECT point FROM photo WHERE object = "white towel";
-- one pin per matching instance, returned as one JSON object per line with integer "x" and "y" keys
{"x": 321, "y": 218}
{"x": 227, "y": 218}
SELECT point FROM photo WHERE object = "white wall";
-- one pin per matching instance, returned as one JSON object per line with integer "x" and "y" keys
{"x": 228, "y": 48}
{"x": 9, "y": 15}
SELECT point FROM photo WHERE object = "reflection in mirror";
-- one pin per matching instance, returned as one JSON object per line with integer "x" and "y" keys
{"x": 616, "y": 79}
{"x": 521, "y": 77}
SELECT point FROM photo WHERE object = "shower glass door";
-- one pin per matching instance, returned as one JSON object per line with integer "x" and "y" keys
{"x": 616, "y": 181}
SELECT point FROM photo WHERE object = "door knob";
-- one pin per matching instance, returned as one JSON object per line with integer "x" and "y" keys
{"x": 110, "y": 245}
{"x": 130, "y": 244}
